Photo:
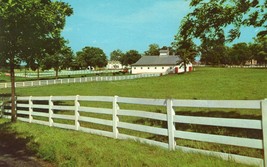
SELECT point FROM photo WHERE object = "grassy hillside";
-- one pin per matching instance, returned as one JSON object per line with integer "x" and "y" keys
{"x": 204, "y": 83}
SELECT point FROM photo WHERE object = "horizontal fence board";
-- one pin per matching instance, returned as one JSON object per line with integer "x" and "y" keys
{"x": 143, "y": 128}
{"x": 23, "y": 105}
{"x": 64, "y": 126}
{"x": 142, "y": 101}
{"x": 40, "y": 98}
{"x": 143, "y": 114}
{"x": 40, "y": 106}
{"x": 96, "y": 132}
{"x": 23, "y": 112}
{"x": 142, "y": 140}
{"x": 23, "y": 98}
{"x": 96, "y": 120}
{"x": 8, "y": 111}
{"x": 40, "y": 122}
{"x": 225, "y": 122}
{"x": 224, "y": 156}
{"x": 228, "y": 140}
{"x": 69, "y": 108}
{"x": 60, "y": 116}
{"x": 97, "y": 98}
{"x": 241, "y": 104}
{"x": 96, "y": 110}
{"x": 40, "y": 114}
{"x": 63, "y": 98}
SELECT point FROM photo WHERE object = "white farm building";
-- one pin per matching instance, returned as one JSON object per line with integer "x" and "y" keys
{"x": 160, "y": 64}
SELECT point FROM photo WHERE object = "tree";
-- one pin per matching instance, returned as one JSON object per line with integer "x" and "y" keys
{"x": 259, "y": 49}
{"x": 91, "y": 56}
{"x": 131, "y": 57}
{"x": 63, "y": 58}
{"x": 210, "y": 17}
{"x": 186, "y": 49}
{"x": 240, "y": 53}
{"x": 24, "y": 25}
{"x": 213, "y": 52}
{"x": 116, "y": 55}
{"x": 153, "y": 50}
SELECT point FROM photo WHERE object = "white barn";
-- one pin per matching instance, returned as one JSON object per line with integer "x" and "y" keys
{"x": 163, "y": 64}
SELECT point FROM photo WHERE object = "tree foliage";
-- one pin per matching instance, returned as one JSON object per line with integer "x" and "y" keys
{"x": 209, "y": 18}
{"x": 131, "y": 57}
{"x": 153, "y": 50}
{"x": 28, "y": 28}
{"x": 91, "y": 56}
{"x": 117, "y": 55}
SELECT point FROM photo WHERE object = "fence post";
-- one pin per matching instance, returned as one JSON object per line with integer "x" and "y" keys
{"x": 30, "y": 109}
{"x": 77, "y": 115}
{"x": 51, "y": 104}
{"x": 264, "y": 130}
{"x": 115, "y": 117}
{"x": 171, "y": 124}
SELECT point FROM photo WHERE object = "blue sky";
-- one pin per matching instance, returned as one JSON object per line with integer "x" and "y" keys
{"x": 127, "y": 24}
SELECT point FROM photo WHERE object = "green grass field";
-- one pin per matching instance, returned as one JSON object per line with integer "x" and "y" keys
{"x": 204, "y": 83}
{"x": 76, "y": 149}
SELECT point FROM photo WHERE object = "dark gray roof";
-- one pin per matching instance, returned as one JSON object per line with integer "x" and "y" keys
{"x": 157, "y": 60}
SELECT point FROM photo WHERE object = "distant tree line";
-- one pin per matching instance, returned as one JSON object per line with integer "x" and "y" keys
{"x": 237, "y": 54}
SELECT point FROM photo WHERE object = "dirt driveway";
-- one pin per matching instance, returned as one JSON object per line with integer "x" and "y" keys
{"x": 14, "y": 153}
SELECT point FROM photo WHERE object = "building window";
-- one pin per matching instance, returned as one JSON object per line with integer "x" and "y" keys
{"x": 163, "y": 68}
{"x": 155, "y": 68}
{"x": 141, "y": 68}
{"x": 148, "y": 68}
{"x": 170, "y": 67}
{"x": 135, "y": 68}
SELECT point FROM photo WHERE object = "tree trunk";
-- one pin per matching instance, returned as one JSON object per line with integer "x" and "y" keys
{"x": 184, "y": 66}
{"x": 13, "y": 94}
{"x": 38, "y": 73}
{"x": 56, "y": 72}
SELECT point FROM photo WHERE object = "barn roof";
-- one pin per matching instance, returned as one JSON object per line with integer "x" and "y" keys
{"x": 157, "y": 61}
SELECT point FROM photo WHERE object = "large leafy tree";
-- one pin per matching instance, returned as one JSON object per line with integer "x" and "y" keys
{"x": 61, "y": 59}
{"x": 25, "y": 24}
{"x": 240, "y": 53}
{"x": 153, "y": 50}
{"x": 131, "y": 57}
{"x": 209, "y": 18}
{"x": 186, "y": 49}
{"x": 259, "y": 49}
{"x": 116, "y": 55}
{"x": 91, "y": 56}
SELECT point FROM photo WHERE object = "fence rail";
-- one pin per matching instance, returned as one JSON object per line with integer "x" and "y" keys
{"x": 64, "y": 72}
{"x": 76, "y": 80}
{"x": 30, "y": 109}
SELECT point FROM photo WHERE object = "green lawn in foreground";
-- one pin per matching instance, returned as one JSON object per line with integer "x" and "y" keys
{"x": 70, "y": 148}
{"x": 204, "y": 83}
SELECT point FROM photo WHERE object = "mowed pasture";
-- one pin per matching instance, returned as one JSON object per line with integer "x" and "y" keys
{"x": 204, "y": 83}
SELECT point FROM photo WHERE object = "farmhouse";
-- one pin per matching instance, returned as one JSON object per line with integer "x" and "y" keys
{"x": 114, "y": 65}
{"x": 164, "y": 64}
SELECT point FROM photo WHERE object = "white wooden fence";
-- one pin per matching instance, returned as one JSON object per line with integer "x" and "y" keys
{"x": 76, "y": 80}
{"x": 63, "y": 72}
{"x": 28, "y": 111}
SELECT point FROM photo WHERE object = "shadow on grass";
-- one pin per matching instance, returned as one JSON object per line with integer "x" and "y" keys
{"x": 13, "y": 149}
